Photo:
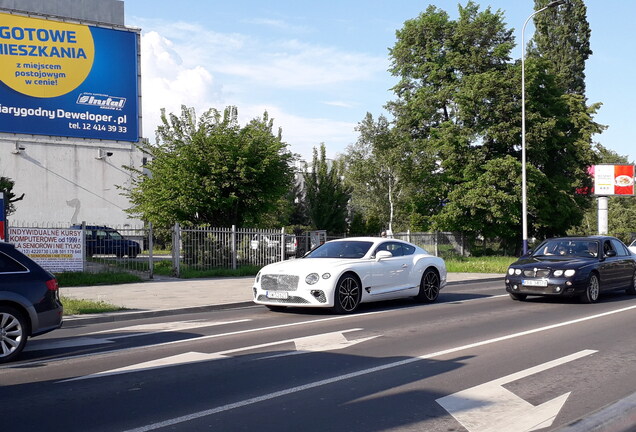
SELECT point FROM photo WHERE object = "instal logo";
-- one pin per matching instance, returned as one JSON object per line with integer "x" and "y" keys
{"x": 102, "y": 101}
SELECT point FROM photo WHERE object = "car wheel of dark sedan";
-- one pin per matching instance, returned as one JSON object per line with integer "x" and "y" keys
{"x": 519, "y": 297}
{"x": 592, "y": 291}
{"x": 347, "y": 295}
{"x": 429, "y": 287}
{"x": 632, "y": 289}
{"x": 13, "y": 333}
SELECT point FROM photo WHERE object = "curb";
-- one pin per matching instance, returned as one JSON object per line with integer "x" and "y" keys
{"x": 78, "y": 320}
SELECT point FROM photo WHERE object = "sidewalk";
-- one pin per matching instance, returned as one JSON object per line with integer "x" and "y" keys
{"x": 165, "y": 296}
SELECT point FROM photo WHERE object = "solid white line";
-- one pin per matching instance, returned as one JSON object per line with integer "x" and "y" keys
{"x": 197, "y": 415}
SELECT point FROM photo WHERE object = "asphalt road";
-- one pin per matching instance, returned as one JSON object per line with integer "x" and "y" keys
{"x": 475, "y": 360}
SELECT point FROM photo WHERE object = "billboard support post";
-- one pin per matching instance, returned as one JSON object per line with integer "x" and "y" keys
{"x": 603, "y": 217}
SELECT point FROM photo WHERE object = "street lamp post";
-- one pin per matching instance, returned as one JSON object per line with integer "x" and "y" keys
{"x": 524, "y": 195}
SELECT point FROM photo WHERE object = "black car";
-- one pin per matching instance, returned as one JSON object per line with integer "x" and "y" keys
{"x": 29, "y": 301}
{"x": 103, "y": 240}
{"x": 573, "y": 266}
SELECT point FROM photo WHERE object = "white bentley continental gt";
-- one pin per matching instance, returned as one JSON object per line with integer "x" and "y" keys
{"x": 341, "y": 274}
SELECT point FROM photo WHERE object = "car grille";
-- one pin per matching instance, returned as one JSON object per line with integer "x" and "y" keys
{"x": 273, "y": 282}
{"x": 540, "y": 273}
{"x": 294, "y": 300}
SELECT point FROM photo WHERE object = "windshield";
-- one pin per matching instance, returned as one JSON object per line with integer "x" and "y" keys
{"x": 341, "y": 249}
{"x": 568, "y": 248}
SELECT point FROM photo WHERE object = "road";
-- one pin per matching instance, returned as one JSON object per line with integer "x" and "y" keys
{"x": 474, "y": 361}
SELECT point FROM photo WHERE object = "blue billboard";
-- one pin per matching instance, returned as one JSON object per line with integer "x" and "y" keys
{"x": 68, "y": 80}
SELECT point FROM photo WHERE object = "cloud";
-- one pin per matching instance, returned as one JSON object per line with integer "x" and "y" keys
{"x": 284, "y": 77}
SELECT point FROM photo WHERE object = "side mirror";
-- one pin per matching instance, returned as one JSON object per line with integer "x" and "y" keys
{"x": 383, "y": 255}
{"x": 610, "y": 253}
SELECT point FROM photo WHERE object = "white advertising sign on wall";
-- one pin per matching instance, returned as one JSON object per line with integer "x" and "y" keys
{"x": 55, "y": 249}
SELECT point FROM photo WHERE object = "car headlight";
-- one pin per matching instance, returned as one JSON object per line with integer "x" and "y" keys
{"x": 517, "y": 272}
{"x": 569, "y": 273}
{"x": 326, "y": 275}
{"x": 312, "y": 278}
{"x": 511, "y": 271}
{"x": 558, "y": 273}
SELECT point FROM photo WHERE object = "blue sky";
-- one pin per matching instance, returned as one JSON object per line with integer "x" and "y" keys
{"x": 319, "y": 67}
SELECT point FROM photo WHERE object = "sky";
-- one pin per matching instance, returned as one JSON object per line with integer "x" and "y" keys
{"x": 317, "y": 68}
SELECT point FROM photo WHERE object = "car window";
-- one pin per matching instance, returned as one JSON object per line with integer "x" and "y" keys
{"x": 115, "y": 235}
{"x": 100, "y": 234}
{"x": 393, "y": 247}
{"x": 408, "y": 249}
{"x": 341, "y": 249}
{"x": 620, "y": 249}
{"x": 9, "y": 265}
{"x": 607, "y": 246}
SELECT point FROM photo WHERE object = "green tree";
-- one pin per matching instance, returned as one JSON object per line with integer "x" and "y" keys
{"x": 458, "y": 99}
{"x": 562, "y": 36}
{"x": 621, "y": 210}
{"x": 212, "y": 171}
{"x": 326, "y": 195}
{"x": 6, "y": 186}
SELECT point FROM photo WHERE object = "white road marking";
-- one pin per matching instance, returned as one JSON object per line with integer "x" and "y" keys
{"x": 292, "y": 390}
{"x": 315, "y": 343}
{"x": 491, "y": 408}
{"x": 132, "y": 331}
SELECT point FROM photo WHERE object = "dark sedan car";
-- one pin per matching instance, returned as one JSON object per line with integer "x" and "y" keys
{"x": 573, "y": 266}
{"x": 29, "y": 301}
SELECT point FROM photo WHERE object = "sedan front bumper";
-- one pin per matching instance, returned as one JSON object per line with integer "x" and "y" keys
{"x": 565, "y": 287}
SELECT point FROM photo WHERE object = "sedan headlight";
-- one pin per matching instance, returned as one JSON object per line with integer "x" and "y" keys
{"x": 558, "y": 273}
{"x": 326, "y": 275}
{"x": 312, "y": 278}
{"x": 511, "y": 271}
{"x": 517, "y": 272}
{"x": 569, "y": 273}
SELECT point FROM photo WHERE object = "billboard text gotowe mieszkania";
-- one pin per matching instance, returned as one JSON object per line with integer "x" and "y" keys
{"x": 69, "y": 80}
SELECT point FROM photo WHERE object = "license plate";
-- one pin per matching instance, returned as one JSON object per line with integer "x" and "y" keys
{"x": 537, "y": 283}
{"x": 277, "y": 294}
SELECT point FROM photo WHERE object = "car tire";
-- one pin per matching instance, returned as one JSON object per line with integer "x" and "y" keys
{"x": 632, "y": 289}
{"x": 518, "y": 297}
{"x": 429, "y": 287}
{"x": 132, "y": 254}
{"x": 348, "y": 294}
{"x": 592, "y": 290}
{"x": 13, "y": 333}
{"x": 275, "y": 308}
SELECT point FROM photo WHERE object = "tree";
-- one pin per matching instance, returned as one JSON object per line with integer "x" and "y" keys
{"x": 562, "y": 36}
{"x": 6, "y": 186}
{"x": 212, "y": 171}
{"x": 326, "y": 195}
{"x": 458, "y": 99}
{"x": 621, "y": 210}
{"x": 374, "y": 172}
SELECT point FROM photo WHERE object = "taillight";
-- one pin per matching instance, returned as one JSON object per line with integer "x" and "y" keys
{"x": 52, "y": 285}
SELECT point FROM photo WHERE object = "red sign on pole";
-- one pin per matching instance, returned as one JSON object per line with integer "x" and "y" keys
{"x": 613, "y": 180}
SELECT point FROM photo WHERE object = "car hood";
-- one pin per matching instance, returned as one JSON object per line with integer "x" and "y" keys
{"x": 303, "y": 266}
{"x": 553, "y": 262}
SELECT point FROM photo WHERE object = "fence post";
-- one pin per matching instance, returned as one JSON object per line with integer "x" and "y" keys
{"x": 436, "y": 240}
{"x": 176, "y": 250}
{"x": 282, "y": 244}
{"x": 408, "y": 235}
{"x": 234, "y": 247}
{"x": 85, "y": 260}
{"x": 151, "y": 261}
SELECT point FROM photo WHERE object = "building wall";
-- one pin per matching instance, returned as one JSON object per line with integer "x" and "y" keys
{"x": 62, "y": 179}
{"x": 95, "y": 11}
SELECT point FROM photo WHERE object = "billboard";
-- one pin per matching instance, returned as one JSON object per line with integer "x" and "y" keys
{"x": 55, "y": 249}
{"x": 70, "y": 80}
{"x": 613, "y": 180}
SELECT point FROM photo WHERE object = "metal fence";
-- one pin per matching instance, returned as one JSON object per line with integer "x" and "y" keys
{"x": 145, "y": 251}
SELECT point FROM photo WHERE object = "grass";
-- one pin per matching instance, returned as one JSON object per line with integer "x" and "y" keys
{"x": 79, "y": 306}
{"x": 485, "y": 264}
{"x": 70, "y": 279}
